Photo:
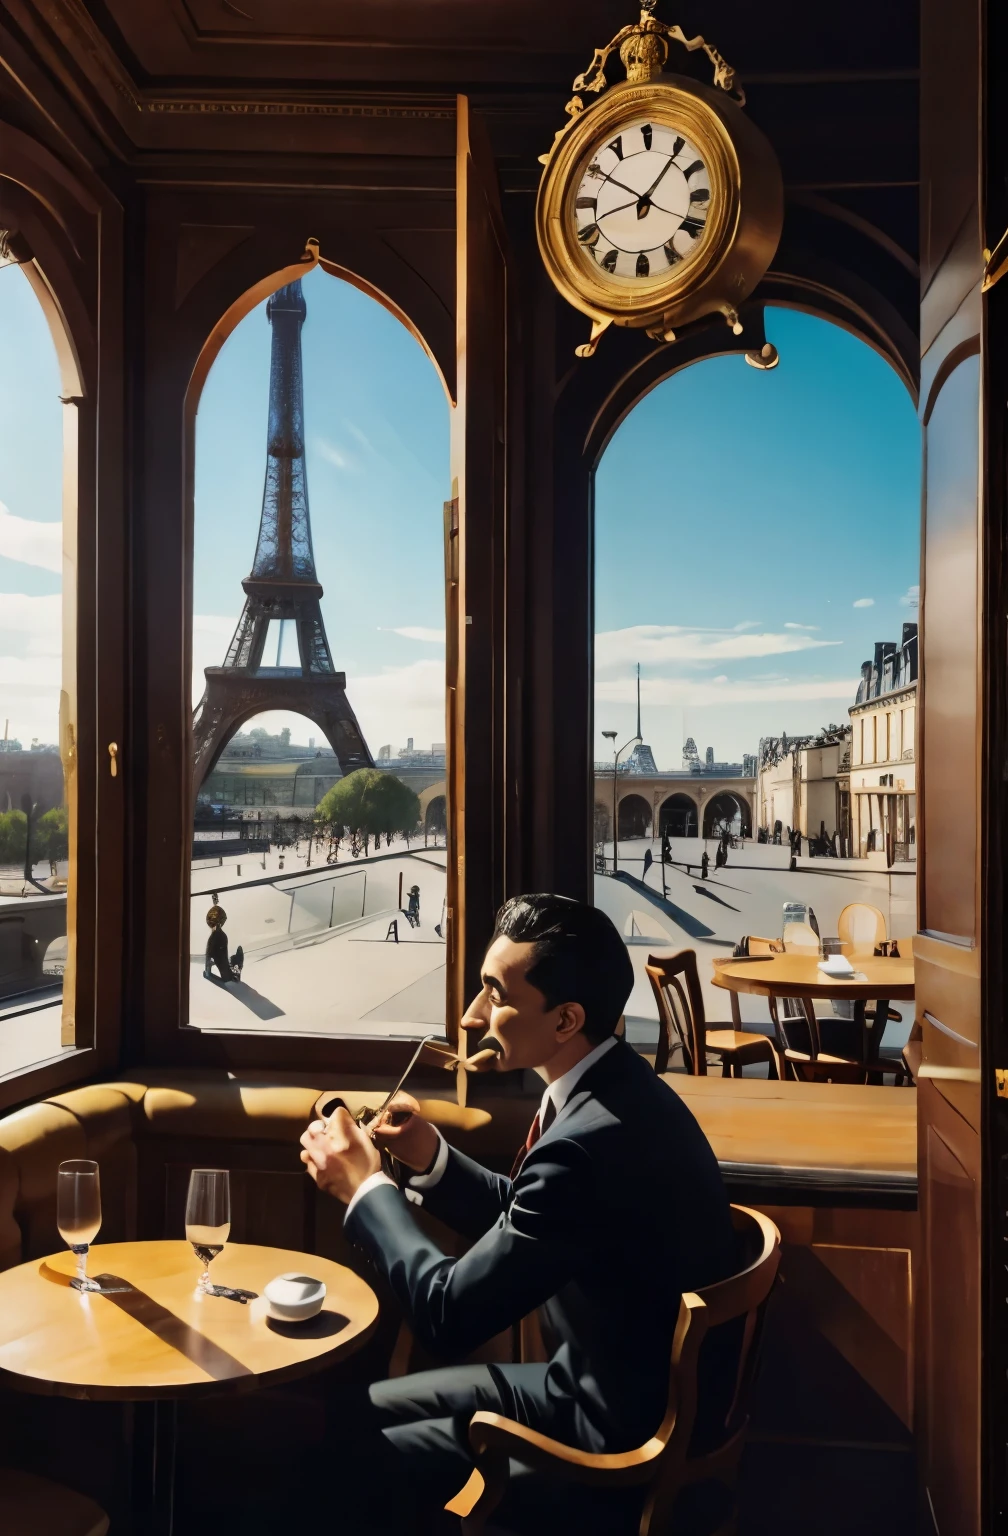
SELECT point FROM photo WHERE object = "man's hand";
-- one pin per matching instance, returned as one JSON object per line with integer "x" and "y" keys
{"x": 406, "y": 1134}
{"x": 339, "y": 1155}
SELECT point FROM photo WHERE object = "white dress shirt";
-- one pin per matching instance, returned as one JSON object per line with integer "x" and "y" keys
{"x": 557, "y": 1093}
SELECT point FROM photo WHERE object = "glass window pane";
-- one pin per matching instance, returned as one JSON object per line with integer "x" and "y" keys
{"x": 749, "y": 667}
{"x": 318, "y": 860}
{"x": 37, "y": 690}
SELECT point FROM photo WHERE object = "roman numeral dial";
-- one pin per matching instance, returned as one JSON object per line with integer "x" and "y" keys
{"x": 642, "y": 204}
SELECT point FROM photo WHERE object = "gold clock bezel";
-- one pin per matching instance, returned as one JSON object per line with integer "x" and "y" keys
{"x": 573, "y": 271}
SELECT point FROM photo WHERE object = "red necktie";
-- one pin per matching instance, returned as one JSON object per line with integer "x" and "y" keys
{"x": 535, "y": 1131}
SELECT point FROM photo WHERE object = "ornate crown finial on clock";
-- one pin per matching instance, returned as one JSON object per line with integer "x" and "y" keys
{"x": 644, "y": 52}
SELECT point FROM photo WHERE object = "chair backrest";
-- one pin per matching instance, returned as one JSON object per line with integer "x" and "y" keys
{"x": 675, "y": 982}
{"x": 761, "y": 946}
{"x": 799, "y": 936}
{"x": 743, "y": 1296}
{"x": 861, "y": 926}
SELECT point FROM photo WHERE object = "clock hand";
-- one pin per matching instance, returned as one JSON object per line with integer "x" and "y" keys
{"x": 658, "y": 178}
{"x": 618, "y": 209}
{"x": 645, "y": 204}
{"x": 623, "y": 186}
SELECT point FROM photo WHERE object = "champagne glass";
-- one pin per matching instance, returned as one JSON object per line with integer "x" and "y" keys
{"x": 78, "y": 1214}
{"x": 208, "y": 1218}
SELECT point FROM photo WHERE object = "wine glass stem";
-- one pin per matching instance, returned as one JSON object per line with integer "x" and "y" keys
{"x": 82, "y": 1254}
{"x": 204, "y": 1283}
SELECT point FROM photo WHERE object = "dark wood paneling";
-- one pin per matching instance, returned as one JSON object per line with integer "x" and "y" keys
{"x": 480, "y": 480}
{"x": 994, "y": 899}
{"x": 949, "y": 1317}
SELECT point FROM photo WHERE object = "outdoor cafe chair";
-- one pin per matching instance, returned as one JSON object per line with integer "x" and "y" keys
{"x": 675, "y": 982}
{"x": 668, "y": 1463}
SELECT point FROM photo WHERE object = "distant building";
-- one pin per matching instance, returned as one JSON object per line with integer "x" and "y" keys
{"x": 883, "y": 775}
{"x": 804, "y": 784}
{"x": 641, "y": 760}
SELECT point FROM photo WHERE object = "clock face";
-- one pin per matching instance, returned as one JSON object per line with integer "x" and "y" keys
{"x": 642, "y": 203}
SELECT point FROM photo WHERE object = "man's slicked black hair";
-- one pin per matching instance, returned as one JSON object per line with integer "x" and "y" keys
{"x": 579, "y": 956}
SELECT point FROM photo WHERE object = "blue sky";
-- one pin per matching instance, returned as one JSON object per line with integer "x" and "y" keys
{"x": 755, "y": 534}
{"x": 741, "y": 518}
{"x": 376, "y": 436}
{"x": 31, "y": 453}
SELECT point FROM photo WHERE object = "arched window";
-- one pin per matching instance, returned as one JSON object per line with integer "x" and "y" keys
{"x": 319, "y": 673}
{"x": 757, "y": 537}
{"x": 37, "y": 693}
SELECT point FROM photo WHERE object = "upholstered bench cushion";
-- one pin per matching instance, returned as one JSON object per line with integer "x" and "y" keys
{"x": 35, "y": 1140}
{"x": 33, "y": 1506}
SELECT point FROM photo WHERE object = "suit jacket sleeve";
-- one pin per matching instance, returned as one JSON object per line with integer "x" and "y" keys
{"x": 532, "y": 1250}
{"x": 468, "y": 1197}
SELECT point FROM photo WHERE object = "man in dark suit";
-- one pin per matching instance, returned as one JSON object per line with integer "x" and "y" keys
{"x": 614, "y": 1207}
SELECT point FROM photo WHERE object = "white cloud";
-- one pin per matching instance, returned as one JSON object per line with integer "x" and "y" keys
{"x": 658, "y": 691}
{"x": 211, "y": 635}
{"x": 864, "y": 602}
{"x": 418, "y": 632}
{"x": 31, "y": 665}
{"x": 334, "y": 455}
{"x": 31, "y": 543}
{"x": 214, "y": 624}
{"x": 360, "y": 436}
{"x": 652, "y": 644}
{"x": 399, "y": 702}
{"x": 34, "y": 623}
{"x": 911, "y": 597}
{"x": 801, "y": 626}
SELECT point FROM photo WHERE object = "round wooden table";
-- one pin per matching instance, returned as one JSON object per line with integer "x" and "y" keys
{"x": 877, "y": 979}
{"x": 150, "y": 1336}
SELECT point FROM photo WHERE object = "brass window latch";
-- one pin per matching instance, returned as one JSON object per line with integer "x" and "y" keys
{"x": 1001, "y": 1082}
{"x": 995, "y": 264}
{"x": 113, "y": 752}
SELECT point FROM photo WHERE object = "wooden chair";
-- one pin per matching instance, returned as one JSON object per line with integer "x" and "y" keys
{"x": 664, "y": 1466}
{"x": 799, "y": 937}
{"x": 813, "y": 1065}
{"x": 860, "y": 927}
{"x": 33, "y": 1506}
{"x": 912, "y": 1053}
{"x": 681, "y": 1021}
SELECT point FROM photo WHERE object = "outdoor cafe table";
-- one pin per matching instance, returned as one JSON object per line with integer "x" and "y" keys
{"x": 877, "y": 979}
{"x": 155, "y": 1339}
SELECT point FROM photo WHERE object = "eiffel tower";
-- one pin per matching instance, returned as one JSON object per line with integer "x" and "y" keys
{"x": 282, "y": 585}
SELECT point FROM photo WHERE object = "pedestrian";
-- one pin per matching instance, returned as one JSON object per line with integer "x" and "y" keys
{"x": 704, "y": 865}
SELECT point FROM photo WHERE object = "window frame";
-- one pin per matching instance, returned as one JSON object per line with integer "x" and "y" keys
{"x": 73, "y": 231}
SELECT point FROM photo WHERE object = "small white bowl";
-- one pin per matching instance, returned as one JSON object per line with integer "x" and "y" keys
{"x": 294, "y": 1298}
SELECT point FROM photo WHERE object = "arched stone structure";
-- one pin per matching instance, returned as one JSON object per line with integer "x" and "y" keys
{"x": 436, "y": 816}
{"x": 634, "y": 816}
{"x": 678, "y": 817}
{"x": 720, "y": 811}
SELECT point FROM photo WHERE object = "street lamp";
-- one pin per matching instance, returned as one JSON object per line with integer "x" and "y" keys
{"x": 611, "y": 736}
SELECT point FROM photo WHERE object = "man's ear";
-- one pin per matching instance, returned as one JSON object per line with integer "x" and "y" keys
{"x": 569, "y": 1021}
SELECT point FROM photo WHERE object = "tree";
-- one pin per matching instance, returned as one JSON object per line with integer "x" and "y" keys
{"x": 13, "y": 826}
{"x": 368, "y": 803}
{"x": 50, "y": 836}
